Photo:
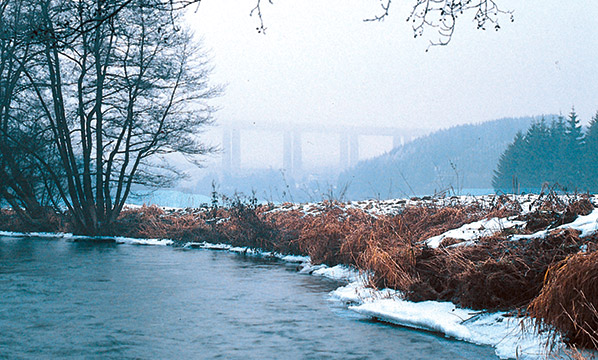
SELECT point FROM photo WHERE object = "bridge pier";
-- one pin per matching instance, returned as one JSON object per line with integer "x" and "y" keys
{"x": 353, "y": 149}
{"x": 349, "y": 150}
{"x": 292, "y": 162}
{"x": 397, "y": 140}
{"x": 231, "y": 149}
{"x": 292, "y": 152}
{"x": 297, "y": 150}
{"x": 344, "y": 151}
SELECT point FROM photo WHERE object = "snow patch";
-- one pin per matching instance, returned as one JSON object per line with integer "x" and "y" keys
{"x": 506, "y": 334}
{"x": 294, "y": 258}
{"x": 338, "y": 272}
{"x": 475, "y": 230}
{"x": 441, "y": 317}
{"x": 587, "y": 225}
{"x": 147, "y": 242}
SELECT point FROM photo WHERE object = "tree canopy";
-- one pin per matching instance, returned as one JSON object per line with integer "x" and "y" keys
{"x": 94, "y": 93}
{"x": 559, "y": 153}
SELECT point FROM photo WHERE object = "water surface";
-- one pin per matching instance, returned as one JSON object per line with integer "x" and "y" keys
{"x": 61, "y": 299}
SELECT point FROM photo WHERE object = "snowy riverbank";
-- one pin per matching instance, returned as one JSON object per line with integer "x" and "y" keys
{"x": 510, "y": 338}
{"x": 460, "y": 266}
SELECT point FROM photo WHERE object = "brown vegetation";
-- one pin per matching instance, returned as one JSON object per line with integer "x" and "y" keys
{"x": 495, "y": 273}
{"x": 569, "y": 299}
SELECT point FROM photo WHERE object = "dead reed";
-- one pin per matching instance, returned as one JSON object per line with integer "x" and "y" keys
{"x": 569, "y": 299}
{"x": 547, "y": 273}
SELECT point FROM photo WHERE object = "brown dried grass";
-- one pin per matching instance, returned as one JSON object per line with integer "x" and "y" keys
{"x": 497, "y": 273}
{"x": 322, "y": 236}
{"x": 424, "y": 222}
{"x": 47, "y": 221}
{"x": 155, "y": 223}
{"x": 569, "y": 299}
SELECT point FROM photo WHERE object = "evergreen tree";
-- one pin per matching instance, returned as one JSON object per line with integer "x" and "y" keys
{"x": 510, "y": 167}
{"x": 537, "y": 163}
{"x": 571, "y": 166}
{"x": 557, "y": 150}
{"x": 555, "y": 154}
{"x": 590, "y": 149}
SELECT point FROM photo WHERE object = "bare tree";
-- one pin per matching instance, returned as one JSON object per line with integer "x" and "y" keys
{"x": 117, "y": 85}
{"x": 21, "y": 180}
{"x": 440, "y": 15}
{"x": 93, "y": 94}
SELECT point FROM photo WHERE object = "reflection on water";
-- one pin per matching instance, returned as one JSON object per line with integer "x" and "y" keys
{"x": 62, "y": 299}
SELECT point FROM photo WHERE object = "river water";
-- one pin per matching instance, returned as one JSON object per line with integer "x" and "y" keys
{"x": 61, "y": 299}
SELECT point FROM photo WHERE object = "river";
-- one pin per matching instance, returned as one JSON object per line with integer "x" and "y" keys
{"x": 71, "y": 300}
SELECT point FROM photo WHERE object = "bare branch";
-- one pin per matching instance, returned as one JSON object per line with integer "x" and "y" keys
{"x": 257, "y": 10}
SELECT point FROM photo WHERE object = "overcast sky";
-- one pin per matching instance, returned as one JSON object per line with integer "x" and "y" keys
{"x": 319, "y": 62}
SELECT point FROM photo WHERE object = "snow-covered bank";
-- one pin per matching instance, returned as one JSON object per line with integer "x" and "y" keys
{"x": 72, "y": 237}
{"x": 477, "y": 256}
{"x": 475, "y": 230}
{"x": 512, "y": 337}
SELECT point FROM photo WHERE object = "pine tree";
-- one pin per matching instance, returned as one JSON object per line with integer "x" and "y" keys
{"x": 537, "y": 163}
{"x": 510, "y": 167}
{"x": 590, "y": 150}
{"x": 557, "y": 150}
{"x": 571, "y": 166}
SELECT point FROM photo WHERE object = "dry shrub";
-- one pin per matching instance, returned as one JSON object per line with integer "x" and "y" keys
{"x": 425, "y": 222}
{"x": 552, "y": 211}
{"x": 155, "y": 223}
{"x": 289, "y": 225}
{"x": 569, "y": 299}
{"x": 323, "y": 235}
{"x": 504, "y": 206}
{"x": 495, "y": 274}
{"x": 47, "y": 220}
{"x": 244, "y": 224}
{"x": 386, "y": 252}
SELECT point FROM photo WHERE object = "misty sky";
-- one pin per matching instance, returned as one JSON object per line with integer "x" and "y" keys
{"x": 319, "y": 62}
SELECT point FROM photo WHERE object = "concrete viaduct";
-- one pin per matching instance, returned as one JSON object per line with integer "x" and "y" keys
{"x": 348, "y": 141}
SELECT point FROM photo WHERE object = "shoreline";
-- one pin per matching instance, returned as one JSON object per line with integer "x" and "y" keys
{"x": 358, "y": 297}
{"x": 364, "y": 242}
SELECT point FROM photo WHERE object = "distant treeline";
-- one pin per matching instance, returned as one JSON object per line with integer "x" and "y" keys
{"x": 454, "y": 160}
{"x": 558, "y": 153}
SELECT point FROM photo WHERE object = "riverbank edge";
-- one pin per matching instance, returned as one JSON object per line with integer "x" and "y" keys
{"x": 321, "y": 230}
{"x": 357, "y": 296}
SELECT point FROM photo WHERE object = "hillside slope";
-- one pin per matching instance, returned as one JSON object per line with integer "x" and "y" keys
{"x": 457, "y": 160}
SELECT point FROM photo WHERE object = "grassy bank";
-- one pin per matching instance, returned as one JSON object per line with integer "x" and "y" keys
{"x": 532, "y": 266}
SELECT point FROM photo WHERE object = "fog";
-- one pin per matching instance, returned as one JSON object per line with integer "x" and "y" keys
{"x": 320, "y": 64}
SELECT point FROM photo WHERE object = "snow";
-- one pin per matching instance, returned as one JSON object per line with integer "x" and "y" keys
{"x": 357, "y": 292}
{"x": 338, "y": 272}
{"x": 206, "y": 245}
{"x": 441, "y": 317}
{"x": 149, "y": 242}
{"x": 587, "y": 225}
{"x": 71, "y": 237}
{"x": 35, "y": 234}
{"x": 475, "y": 230}
{"x": 294, "y": 258}
{"x": 498, "y": 330}
{"x": 505, "y": 333}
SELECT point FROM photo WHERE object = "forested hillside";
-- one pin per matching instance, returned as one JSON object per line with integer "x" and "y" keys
{"x": 556, "y": 153}
{"x": 454, "y": 160}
